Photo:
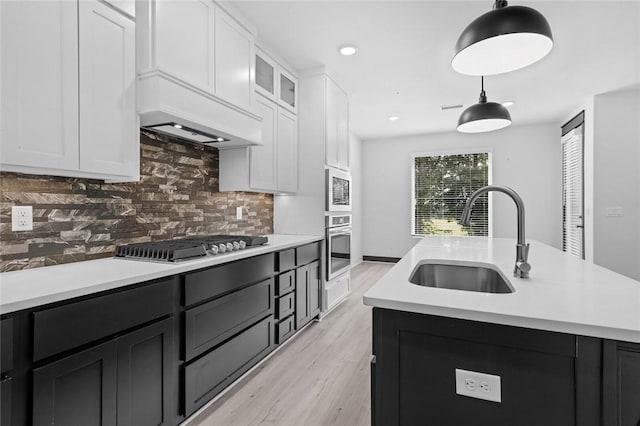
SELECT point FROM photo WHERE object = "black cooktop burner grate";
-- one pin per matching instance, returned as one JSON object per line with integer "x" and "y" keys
{"x": 185, "y": 248}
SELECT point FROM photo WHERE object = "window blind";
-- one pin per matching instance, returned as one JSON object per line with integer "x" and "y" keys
{"x": 441, "y": 186}
{"x": 573, "y": 192}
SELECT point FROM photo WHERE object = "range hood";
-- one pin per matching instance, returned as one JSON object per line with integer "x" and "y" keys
{"x": 171, "y": 106}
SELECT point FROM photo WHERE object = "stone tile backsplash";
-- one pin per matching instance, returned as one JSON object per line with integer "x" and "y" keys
{"x": 82, "y": 219}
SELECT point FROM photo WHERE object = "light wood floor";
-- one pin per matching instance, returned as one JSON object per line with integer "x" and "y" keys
{"x": 321, "y": 377}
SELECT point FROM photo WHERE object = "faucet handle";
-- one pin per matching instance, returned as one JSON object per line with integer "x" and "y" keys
{"x": 522, "y": 269}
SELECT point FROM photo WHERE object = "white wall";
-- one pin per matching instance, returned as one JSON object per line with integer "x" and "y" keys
{"x": 525, "y": 158}
{"x": 355, "y": 160}
{"x": 616, "y": 181}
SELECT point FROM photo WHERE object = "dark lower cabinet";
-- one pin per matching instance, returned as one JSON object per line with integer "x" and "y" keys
{"x": 5, "y": 402}
{"x": 211, "y": 323}
{"x": 307, "y": 293}
{"x": 145, "y": 376}
{"x": 152, "y": 353}
{"x": 77, "y": 390}
{"x": 621, "y": 384}
{"x": 125, "y": 381}
{"x": 210, "y": 374}
{"x": 545, "y": 378}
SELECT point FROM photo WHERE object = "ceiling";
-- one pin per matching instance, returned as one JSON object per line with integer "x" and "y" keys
{"x": 403, "y": 66}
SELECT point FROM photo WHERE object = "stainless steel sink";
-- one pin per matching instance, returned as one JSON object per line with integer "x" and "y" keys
{"x": 468, "y": 276}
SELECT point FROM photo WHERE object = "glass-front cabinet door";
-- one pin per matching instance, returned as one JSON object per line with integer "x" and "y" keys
{"x": 288, "y": 91}
{"x": 265, "y": 75}
{"x": 276, "y": 83}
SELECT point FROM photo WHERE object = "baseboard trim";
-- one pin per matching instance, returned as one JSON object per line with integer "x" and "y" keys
{"x": 381, "y": 259}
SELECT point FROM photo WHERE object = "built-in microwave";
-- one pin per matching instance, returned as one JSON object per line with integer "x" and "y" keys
{"x": 338, "y": 188}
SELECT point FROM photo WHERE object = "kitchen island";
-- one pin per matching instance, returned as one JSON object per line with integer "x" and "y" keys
{"x": 564, "y": 343}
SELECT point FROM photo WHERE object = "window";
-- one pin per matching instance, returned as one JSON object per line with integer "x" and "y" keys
{"x": 441, "y": 185}
{"x": 573, "y": 186}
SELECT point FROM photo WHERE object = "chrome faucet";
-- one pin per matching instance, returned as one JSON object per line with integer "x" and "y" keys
{"x": 522, "y": 268}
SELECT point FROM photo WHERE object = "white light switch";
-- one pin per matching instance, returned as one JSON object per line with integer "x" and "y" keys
{"x": 613, "y": 212}
{"x": 21, "y": 218}
{"x": 478, "y": 385}
{"x": 239, "y": 213}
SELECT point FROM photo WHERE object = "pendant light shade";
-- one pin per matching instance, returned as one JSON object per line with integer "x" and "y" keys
{"x": 502, "y": 40}
{"x": 484, "y": 116}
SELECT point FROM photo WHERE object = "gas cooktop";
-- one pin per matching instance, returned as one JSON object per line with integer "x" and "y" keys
{"x": 188, "y": 248}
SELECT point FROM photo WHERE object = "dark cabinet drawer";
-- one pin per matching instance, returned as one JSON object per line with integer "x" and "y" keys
{"x": 68, "y": 326}
{"x": 285, "y": 329}
{"x": 206, "y": 284}
{"x": 286, "y": 260}
{"x": 285, "y": 306}
{"x": 210, "y": 324}
{"x": 6, "y": 344}
{"x": 209, "y": 375}
{"x": 307, "y": 254}
{"x": 286, "y": 283}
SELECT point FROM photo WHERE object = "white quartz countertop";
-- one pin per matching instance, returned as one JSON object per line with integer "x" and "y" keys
{"x": 563, "y": 294}
{"x": 34, "y": 287}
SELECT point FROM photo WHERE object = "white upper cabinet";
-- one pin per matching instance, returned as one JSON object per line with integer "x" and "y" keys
{"x": 108, "y": 124}
{"x": 262, "y": 160}
{"x": 234, "y": 64}
{"x": 287, "y": 154}
{"x": 68, "y": 93}
{"x": 266, "y": 75}
{"x": 272, "y": 167}
{"x": 196, "y": 65}
{"x": 184, "y": 40}
{"x": 288, "y": 90}
{"x": 39, "y": 84}
{"x": 276, "y": 83}
{"x": 337, "y": 126}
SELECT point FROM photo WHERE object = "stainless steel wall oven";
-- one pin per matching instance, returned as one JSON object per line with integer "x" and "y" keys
{"x": 338, "y": 245}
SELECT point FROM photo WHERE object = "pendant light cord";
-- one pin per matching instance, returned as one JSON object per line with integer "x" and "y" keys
{"x": 483, "y": 95}
{"x": 499, "y": 4}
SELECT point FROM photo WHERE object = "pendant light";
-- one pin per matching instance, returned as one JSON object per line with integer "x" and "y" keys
{"x": 505, "y": 39}
{"x": 483, "y": 116}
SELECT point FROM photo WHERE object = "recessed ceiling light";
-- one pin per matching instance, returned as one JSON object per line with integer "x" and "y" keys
{"x": 177, "y": 126}
{"x": 348, "y": 50}
{"x": 394, "y": 118}
{"x": 507, "y": 103}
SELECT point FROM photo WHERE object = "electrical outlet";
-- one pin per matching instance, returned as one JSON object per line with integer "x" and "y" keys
{"x": 21, "y": 218}
{"x": 470, "y": 384}
{"x": 478, "y": 385}
{"x": 239, "y": 213}
{"x": 485, "y": 387}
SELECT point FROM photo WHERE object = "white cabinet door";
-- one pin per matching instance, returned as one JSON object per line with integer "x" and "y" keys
{"x": 39, "y": 84}
{"x": 235, "y": 61}
{"x": 107, "y": 91}
{"x": 331, "y": 108}
{"x": 262, "y": 173}
{"x": 287, "y": 151}
{"x": 337, "y": 122}
{"x": 266, "y": 75}
{"x": 342, "y": 115}
{"x": 184, "y": 40}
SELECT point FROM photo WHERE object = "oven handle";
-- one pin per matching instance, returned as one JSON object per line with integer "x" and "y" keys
{"x": 339, "y": 231}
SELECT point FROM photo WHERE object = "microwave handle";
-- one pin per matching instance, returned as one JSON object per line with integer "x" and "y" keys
{"x": 346, "y": 231}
